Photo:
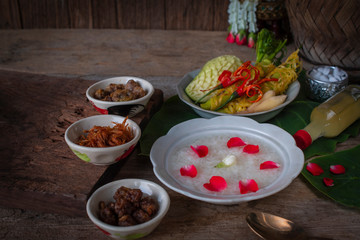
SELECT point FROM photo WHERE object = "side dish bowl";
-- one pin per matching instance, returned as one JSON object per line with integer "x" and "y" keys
{"x": 291, "y": 93}
{"x": 125, "y": 108}
{"x": 106, "y": 193}
{"x": 276, "y": 141}
{"x": 100, "y": 155}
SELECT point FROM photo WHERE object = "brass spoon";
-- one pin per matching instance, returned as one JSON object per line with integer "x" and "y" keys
{"x": 268, "y": 226}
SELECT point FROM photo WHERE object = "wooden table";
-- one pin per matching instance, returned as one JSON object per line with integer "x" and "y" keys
{"x": 54, "y": 67}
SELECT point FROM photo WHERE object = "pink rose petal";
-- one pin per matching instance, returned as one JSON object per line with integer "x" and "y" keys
{"x": 235, "y": 142}
{"x": 269, "y": 165}
{"x": 328, "y": 182}
{"x": 216, "y": 184}
{"x": 337, "y": 169}
{"x": 248, "y": 185}
{"x": 251, "y": 149}
{"x": 188, "y": 170}
{"x": 201, "y": 151}
{"x": 314, "y": 169}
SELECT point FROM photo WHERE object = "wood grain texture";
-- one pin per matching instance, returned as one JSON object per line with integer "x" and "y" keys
{"x": 80, "y": 14}
{"x": 36, "y": 163}
{"x": 118, "y": 14}
{"x": 9, "y": 15}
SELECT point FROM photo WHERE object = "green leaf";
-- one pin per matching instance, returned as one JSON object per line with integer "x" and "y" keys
{"x": 346, "y": 189}
{"x": 173, "y": 111}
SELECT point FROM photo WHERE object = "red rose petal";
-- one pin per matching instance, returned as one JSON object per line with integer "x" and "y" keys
{"x": 337, "y": 169}
{"x": 230, "y": 38}
{"x": 269, "y": 165}
{"x": 201, "y": 151}
{"x": 314, "y": 169}
{"x": 216, "y": 184}
{"x": 248, "y": 185}
{"x": 251, "y": 149}
{"x": 328, "y": 182}
{"x": 235, "y": 142}
{"x": 188, "y": 170}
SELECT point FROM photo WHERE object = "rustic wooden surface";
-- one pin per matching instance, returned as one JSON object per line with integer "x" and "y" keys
{"x": 121, "y": 14}
{"x": 37, "y": 164}
{"x": 162, "y": 57}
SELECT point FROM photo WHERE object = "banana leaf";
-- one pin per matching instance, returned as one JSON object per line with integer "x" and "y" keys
{"x": 294, "y": 117}
{"x": 346, "y": 189}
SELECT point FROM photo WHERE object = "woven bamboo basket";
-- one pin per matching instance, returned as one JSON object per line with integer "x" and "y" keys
{"x": 327, "y": 31}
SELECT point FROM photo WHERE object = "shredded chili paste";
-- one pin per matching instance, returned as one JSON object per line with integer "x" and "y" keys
{"x": 107, "y": 136}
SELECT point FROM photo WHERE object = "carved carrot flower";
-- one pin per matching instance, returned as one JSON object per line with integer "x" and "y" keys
{"x": 189, "y": 171}
{"x": 337, "y": 169}
{"x": 235, "y": 142}
{"x": 314, "y": 169}
{"x": 201, "y": 150}
{"x": 248, "y": 185}
{"x": 269, "y": 165}
{"x": 216, "y": 184}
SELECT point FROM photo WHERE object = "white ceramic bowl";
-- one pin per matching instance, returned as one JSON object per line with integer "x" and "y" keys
{"x": 105, "y": 155}
{"x": 292, "y": 93}
{"x": 290, "y": 157}
{"x": 106, "y": 193}
{"x": 126, "y": 108}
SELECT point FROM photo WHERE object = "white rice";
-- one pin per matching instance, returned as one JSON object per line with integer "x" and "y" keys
{"x": 246, "y": 166}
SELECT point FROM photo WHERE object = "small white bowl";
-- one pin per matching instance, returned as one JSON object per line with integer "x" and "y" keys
{"x": 291, "y": 93}
{"x": 105, "y": 155}
{"x": 121, "y": 108}
{"x": 106, "y": 193}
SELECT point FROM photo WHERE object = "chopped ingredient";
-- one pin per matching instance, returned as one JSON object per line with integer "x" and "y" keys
{"x": 130, "y": 208}
{"x": 107, "y": 136}
{"x": 121, "y": 92}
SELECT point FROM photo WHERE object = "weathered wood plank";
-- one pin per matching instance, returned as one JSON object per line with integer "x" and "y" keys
{"x": 140, "y": 14}
{"x": 104, "y": 14}
{"x": 36, "y": 163}
{"x": 221, "y": 15}
{"x": 44, "y": 14}
{"x": 9, "y": 15}
{"x": 188, "y": 14}
{"x": 80, "y": 13}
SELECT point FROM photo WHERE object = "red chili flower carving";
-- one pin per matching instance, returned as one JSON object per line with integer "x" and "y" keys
{"x": 314, "y": 169}
{"x": 248, "y": 185}
{"x": 269, "y": 165}
{"x": 328, "y": 182}
{"x": 251, "y": 149}
{"x": 188, "y": 170}
{"x": 235, "y": 142}
{"x": 337, "y": 169}
{"x": 201, "y": 151}
{"x": 216, "y": 184}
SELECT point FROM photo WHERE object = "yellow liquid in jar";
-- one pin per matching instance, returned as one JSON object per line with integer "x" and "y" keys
{"x": 332, "y": 117}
